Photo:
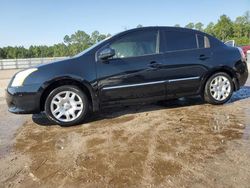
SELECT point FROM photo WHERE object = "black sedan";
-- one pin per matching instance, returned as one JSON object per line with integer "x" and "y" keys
{"x": 139, "y": 65}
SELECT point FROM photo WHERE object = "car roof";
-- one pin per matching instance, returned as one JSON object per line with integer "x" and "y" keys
{"x": 169, "y": 28}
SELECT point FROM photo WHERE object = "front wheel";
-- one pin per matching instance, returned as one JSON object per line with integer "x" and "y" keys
{"x": 66, "y": 105}
{"x": 219, "y": 88}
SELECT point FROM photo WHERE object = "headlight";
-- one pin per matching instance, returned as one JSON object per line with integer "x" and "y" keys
{"x": 20, "y": 77}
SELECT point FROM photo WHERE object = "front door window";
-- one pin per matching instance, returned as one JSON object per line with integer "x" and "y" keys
{"x": 135, "y": 44}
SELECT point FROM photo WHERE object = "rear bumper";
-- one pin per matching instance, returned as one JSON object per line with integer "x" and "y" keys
{"x": 24, "y": 99}
{"x": 242, "y": 73}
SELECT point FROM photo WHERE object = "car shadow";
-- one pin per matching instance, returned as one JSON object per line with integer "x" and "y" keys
{"x": 109, "y": 113}
{"x": 41, "y": 119}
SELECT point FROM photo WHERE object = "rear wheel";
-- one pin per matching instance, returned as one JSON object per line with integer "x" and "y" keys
{"x": 219, "y": 88}
{"x": 66, "y": 105}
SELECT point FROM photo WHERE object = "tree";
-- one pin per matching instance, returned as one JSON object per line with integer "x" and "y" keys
{"x": 190, "y": 25}
{"x": 80, "y": 37}
{"x": 210, "y": 29}
{"x": 247, "y": 26}
{"x": 224, "y": 28}
{"x": 238, "y": 27}
{"x": 247, "y": 16}
{"x": 77, "y": 42}
{"x": 11, "y": 52}
{"x": 60, "y": 50}
{"x": 35, "y": 51}
{"x": 2, "y": 53}
{"x": 66, "y": 39}
{"x": 97, "y": 37}
{"x": 199, "y": 26}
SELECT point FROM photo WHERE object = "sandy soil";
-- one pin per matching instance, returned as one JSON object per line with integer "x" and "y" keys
{"x": 183, "y": 143}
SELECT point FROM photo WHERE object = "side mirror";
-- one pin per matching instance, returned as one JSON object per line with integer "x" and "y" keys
{"x": 106, "y": 53}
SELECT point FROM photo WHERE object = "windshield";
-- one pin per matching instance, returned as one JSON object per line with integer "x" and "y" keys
{"x": 91, "y": 47}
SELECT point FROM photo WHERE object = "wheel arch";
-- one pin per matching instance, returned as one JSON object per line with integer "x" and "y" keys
{"x": 84, "y": 86}
{"x": 224, "y": 69}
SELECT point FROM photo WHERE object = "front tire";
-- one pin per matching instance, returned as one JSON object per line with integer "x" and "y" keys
{"x": 67, "y": 105}
{"x": 218, "y": 89}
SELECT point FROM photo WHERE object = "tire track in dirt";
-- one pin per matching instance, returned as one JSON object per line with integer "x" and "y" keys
{"x": 147, "y": 179}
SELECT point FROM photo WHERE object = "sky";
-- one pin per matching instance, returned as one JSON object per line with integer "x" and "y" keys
{"x": 46, "y": 22}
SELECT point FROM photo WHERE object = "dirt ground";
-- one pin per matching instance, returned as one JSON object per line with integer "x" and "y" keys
{"x": 183, "y": 143}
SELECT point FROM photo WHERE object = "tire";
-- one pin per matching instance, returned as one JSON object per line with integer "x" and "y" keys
{"x": 218, "y": 89}
{"x": 67, "y": 105}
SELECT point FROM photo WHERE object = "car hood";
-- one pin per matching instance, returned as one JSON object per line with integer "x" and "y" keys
{"x": 62, "y": 61}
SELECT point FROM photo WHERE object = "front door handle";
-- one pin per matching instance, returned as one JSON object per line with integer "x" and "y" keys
{"x": 154, "y": 64}
{"x": 203, "y": 57}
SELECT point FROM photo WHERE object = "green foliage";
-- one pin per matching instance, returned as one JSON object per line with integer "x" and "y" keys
{"x": 224, "y": 29}
{"x": 72, "y": 45}
{"x": 80, "y": 41}
{"x": 97, "y": 37}
{"x": 199, "y": 26}
{"x": 210, "y": 29}
{"x": 242, "y": 41}
{"x": 190, "y": 25}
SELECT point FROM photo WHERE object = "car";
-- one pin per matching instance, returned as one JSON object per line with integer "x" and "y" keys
{"x": 132, "y": 67}
{"x": 245, "y": 49}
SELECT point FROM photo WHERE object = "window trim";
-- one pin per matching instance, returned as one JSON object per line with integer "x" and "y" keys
{"x": 197, "y": 41}
{"x": 204, "y": 38}
{"x": 158, "y": 42}
{"x": 209, "y": 43}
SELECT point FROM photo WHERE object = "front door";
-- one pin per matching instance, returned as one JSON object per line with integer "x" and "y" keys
{"x": 133, "y": 73}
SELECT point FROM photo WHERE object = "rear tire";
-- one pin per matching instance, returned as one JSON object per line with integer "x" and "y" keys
{"x": 67, "y": 105}
{"x": 218, "y": 89}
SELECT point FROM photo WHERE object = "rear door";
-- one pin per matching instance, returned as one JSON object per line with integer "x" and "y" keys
{"x": 187, "y": 55}
{"x": 133, "y": 74}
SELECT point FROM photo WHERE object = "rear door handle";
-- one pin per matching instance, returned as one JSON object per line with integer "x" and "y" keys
{"x": 154, "y": 64}
{"x": 203, "y": 57}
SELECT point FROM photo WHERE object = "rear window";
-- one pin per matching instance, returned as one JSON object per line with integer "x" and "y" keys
{"x": 180, "y": 40}
{"x": 202, "y": 41}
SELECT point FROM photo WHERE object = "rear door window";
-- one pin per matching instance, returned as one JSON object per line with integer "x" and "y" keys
{"x": 177, "y": 40}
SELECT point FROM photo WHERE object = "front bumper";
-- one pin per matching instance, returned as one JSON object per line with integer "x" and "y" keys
{"x": 24, "y": 99}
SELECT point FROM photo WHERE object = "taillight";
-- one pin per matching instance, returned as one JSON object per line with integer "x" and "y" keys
{"x": 243, "y": 57}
